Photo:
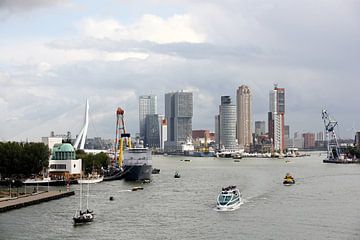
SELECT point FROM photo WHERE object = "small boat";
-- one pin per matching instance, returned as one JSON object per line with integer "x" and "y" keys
{"x": 92, "y": 179}
{"x": 155, "y": 171}
{"x": 177, "y": 175}
{"x": 87, "y": 216}
{"x": 83, "y": 217}
{"x": 187, "y": 160}
{"x": 288, "y": 180}
{"x": 137, "y": 188}
{"x": 229, "y": 199}
{"x": 46, "y": 181}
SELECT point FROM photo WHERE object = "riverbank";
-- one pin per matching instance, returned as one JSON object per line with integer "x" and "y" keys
{"x": 7, "y": 204}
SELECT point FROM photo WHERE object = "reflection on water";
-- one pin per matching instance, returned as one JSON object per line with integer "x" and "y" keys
{"x": 324, "y": 196}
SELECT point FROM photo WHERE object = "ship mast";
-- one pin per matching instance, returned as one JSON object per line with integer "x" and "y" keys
{"x": 333, "y": 149}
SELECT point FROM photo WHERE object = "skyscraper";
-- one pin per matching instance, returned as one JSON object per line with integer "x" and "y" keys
{"x": 217, "y": 131}
{"x": 276, "y": 118}
{"x": 153, "y": 130}
{"x": 244, "y": 116}
{"x": 178, "y": 113}
{"x": 227, "y": 112}
{"x": 147, "y": 105}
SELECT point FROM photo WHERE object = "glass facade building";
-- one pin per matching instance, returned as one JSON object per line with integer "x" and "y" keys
{"x": 147, "y": 105}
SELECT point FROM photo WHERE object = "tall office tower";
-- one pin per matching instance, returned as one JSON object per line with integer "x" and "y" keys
{"x": 153, "y": 130}
{"x": 178, "y": 113}
{"x": 227, "y": 112}
{"x": 276, "y": 118}
{"x": 217, "y": 131}
{"x": 259, "y": 128}
{"x": 244, "y": 116}
{"x": 147, "y": 105}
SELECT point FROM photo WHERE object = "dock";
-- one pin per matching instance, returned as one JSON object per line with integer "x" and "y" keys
{"x": 24, "y": 201}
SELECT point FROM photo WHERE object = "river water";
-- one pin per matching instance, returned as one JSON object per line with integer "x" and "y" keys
{"x": 323, "y": 204}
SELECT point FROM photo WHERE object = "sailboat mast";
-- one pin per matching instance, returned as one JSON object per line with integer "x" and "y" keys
{"x": 80, "y": 194}
{"x": 87, "y": 197}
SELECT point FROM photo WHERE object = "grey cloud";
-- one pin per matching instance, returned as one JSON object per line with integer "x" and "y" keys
{"x": 9, "y": 7}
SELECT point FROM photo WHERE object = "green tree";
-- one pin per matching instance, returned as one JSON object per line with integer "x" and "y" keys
{"x": 23, "y": 158}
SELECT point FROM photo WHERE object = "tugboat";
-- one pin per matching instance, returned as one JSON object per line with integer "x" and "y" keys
{"x": 288, "y": 180}
{"x": 229, "y": 199}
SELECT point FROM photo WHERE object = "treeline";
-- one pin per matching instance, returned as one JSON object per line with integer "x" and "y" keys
{"x": 93, "y": 162}
{"x": 22, "y": 159}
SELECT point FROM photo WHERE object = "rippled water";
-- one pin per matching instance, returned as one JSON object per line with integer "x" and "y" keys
{"x": 323, "y": 204}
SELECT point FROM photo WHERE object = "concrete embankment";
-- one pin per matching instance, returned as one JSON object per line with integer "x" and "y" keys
{"x": 15, "y": 203}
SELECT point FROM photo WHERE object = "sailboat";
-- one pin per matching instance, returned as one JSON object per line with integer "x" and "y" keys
{"x": 83, "y": 216}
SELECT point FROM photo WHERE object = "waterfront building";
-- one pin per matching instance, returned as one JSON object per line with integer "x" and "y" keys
{"x": 276, "y": 119}
{"x": 298, "y": 141}
{"x": 217, "y": 131}
{"x": 244, "y": 116}
{"x": 154, "y": 130}
{"x": 227, "y": 130}
{"x": 63, "y": 163}
{"x": 309, "y": 140}
{"x": 259, "y": 128}
{"x": 147, "y": 105}
{"x": 320, "y": 136}
{"x": 287, "y": 131}
{"x": 178, "y": 114}
{"x": 163, "y": 132}
{"x": 357, "y": 139}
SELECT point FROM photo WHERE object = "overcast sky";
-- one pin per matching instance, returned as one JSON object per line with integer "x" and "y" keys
{"x": 56, "y": 54}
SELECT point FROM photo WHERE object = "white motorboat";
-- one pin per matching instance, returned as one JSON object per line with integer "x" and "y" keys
{"x": 229, "y": 199}
{"x": 91, "y": 179}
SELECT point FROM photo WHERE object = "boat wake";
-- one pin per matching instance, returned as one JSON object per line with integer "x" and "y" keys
{"x": 237, "y": 206}
{"x": 126, "y": 190}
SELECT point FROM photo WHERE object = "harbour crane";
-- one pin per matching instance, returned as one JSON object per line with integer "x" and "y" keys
{"x": 121, "y": 137}
{"x": 333, "y": 149}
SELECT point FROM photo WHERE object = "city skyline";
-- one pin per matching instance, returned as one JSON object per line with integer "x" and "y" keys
{"x": 57, "y": 54}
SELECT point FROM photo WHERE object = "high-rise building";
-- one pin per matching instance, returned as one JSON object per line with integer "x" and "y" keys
{"x": 244, "y": 116}
{"x": 309, "y": 140}
{"x": 276, "y": 118}
{"x": 227, "y": 112}
{"x": 147, "y": 105}
{"x": 178, "y": 113}
{"x": 153, "y": 130}
{"x": 259, "y": 128}
{"x": 217, "y": 131}
{"x": 163, "y": 133}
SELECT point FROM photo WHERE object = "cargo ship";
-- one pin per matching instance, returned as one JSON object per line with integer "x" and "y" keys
{"x": 133, "y": 161}
{"x": 137, "y": 164}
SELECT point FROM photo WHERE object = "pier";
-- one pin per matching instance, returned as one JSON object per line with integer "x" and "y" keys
{"x": 15, "y": 203}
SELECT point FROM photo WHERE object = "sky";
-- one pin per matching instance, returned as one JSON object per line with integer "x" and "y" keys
{"x": 56, "y": 54}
